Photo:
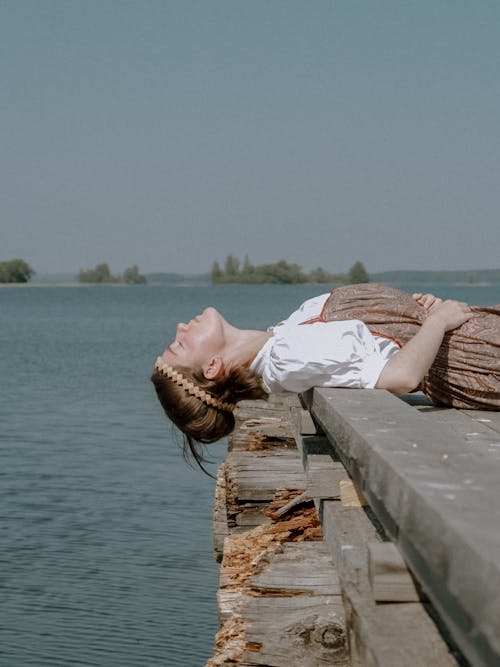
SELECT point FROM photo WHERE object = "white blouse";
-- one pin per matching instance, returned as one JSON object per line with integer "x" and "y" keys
{"x": 321, "y": 354}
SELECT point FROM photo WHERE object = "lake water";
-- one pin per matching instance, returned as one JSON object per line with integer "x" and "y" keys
{"x": 105, "y": 533}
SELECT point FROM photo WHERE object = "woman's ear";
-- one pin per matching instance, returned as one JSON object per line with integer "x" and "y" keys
{"x": 214, "y": 368}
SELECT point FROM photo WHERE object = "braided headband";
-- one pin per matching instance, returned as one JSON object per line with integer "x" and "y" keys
{"x": 190, "y": 387}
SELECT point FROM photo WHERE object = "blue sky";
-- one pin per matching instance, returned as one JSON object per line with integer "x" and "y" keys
{"x": 169, "y": 134}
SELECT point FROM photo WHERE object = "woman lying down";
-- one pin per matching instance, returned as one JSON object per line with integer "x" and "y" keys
{"x": 365, "y": 336}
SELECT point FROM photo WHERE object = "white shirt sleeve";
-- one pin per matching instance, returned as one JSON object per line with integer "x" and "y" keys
{"x": 324, "y": 354}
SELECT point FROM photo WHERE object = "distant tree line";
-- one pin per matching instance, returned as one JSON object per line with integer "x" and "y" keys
{"x": 101, "y": 274}
{"x": 421, "y": 277}
{"x": 281, "y": 272}
{"x": 15, "y": 271}
{"x": 357, "y": 274}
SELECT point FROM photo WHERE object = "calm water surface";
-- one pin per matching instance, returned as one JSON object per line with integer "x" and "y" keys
{"x": 105, "y": 533}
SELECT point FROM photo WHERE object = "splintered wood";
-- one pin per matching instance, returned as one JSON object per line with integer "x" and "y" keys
{"x": 279, "y": 598}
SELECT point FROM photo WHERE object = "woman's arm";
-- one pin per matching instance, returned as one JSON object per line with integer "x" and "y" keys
{"x": 406, "y": 369}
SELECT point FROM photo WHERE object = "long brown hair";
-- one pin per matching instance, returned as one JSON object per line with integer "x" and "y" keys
{"x": 201, "y": 423}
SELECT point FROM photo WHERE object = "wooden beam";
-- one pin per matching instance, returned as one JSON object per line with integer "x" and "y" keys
{"x": 390, "y": 579}
{"x": 435, "y": 494}
{"x": 381, "y": 635}
{"x": 350, "y": 494}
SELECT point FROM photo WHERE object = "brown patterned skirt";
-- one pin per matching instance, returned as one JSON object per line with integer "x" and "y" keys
{"x": 466, "y": 371}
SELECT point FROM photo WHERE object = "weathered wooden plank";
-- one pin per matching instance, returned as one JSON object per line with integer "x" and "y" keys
{"x": 303, "y": 421}
{"x": 390, "y": 579}
{"x": 488, "y": 418}
{"x": 254, "y": 516}
{"x": 279, "y": 600}
{"x": 268, "y": 419}
{"x": 256, "y": 478}
{"x": 437, "y": 496}
{"x": 351, "y": 495}
{"x": 255, "y": 440}
{"x": 371, "y": 644}
{"x": 291, "y": 569}
{"x": 220, "y": 529}
{"x": 323, "y": 473}
{"x": 297, "y": 620}
{"x": 475, "y": 431}
{"x": 283, "y": 401}
{"x": 250, "y": 460}
{"x": 323, "y": 476}
{"x": 228, "y": 601}
{"x": 388, "y": 635}
{"x": 260, "y": 461}
{"x": 304, "y": 636}
{"x": 247, "y": 490}
{"x": 267, "y": 585}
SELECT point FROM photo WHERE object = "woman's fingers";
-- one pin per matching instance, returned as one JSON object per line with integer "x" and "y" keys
{"x": 435, "y": 301}
{"x": 452, "y": 313}
{"x": 426, "y": 300}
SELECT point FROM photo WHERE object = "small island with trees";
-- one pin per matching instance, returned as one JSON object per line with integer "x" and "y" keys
{"x": 101, "y": 274}
{"x": 281, "y": 272}
{"x": 18, "y": 272}
{"x": 15, "y": 271}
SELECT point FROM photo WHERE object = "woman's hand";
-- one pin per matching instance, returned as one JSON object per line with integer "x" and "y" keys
{"x": 426, "y": 300}
{"x": 406, "y": 369}
{"x": 450, "y": 313}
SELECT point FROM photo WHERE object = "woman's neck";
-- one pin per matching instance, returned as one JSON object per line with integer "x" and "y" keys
{"x": 242, "y": 346}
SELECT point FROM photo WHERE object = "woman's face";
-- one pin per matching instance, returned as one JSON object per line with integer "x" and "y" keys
{"x": 198, "y": 341}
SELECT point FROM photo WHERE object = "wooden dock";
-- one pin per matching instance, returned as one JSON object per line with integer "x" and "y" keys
{"x": 363, "y": 531}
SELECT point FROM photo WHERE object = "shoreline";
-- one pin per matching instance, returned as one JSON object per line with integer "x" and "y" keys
{"x": 64, "y": 284}
{"x": 180, "y": 284}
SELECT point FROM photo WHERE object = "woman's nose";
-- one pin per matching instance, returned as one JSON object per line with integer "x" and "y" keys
{"x": 181, "y": 327}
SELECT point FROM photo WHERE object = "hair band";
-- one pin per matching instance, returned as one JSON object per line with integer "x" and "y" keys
{"x": 191, "y": 388}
